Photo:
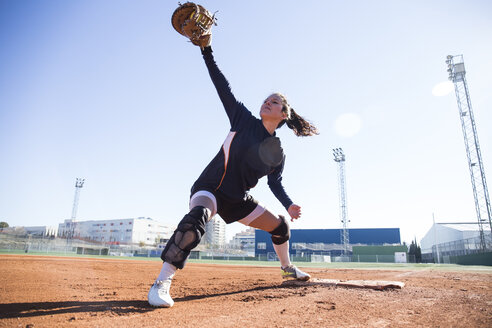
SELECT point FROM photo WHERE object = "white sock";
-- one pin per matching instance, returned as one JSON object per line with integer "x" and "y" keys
{"x": 283, "y": 253}
{"x": 167, "y": 271}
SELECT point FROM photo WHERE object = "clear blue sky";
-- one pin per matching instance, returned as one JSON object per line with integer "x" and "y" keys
{"x": 110, "y": 92}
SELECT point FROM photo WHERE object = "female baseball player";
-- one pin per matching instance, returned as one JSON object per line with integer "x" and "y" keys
{"x": 250, "y": 151}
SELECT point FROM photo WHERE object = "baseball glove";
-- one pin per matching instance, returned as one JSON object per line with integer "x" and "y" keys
{"x": 194, "y": 22}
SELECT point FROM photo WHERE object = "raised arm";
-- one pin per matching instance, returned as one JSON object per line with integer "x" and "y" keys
{"x": 232, "y": 107}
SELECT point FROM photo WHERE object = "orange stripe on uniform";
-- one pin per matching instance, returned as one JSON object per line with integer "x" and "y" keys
{"x": 226, "y": 147}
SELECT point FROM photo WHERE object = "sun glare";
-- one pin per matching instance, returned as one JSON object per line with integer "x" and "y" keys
{"x": 348, "y": 125}
{"x": 442, "y": 89}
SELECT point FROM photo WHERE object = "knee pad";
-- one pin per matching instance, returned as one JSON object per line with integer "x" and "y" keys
{"x": 281, "y": 234}
{"x": 186, "y": 237}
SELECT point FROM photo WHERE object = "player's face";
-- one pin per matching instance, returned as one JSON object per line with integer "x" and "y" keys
{"x": 272, "y": 108}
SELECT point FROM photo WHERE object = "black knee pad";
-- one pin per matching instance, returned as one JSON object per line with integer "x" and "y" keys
{"x": 186, "y": 237}
{"x": 281, "y": 234}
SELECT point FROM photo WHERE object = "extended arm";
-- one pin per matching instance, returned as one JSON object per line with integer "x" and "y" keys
{"x": 232, "y": 107}
{"x": 275, "y": 184}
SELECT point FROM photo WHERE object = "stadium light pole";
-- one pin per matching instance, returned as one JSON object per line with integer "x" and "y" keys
{"x": 457, "y": 74}
{"x": 79, "y": 183}
{"x": 344, "y": 235}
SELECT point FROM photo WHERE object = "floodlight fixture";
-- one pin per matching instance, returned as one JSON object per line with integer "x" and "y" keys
{"x": 339, "y": 155}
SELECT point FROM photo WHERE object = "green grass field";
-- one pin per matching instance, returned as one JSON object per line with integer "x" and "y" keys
{"x": 334, "y": 265}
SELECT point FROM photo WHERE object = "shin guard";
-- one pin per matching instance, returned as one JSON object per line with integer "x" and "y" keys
{"x": 186, "y": 237}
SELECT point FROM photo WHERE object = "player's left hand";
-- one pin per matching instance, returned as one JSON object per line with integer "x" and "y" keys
{"x": 294, "y": 212}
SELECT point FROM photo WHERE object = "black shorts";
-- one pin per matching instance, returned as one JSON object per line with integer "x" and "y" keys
{"x": 233, "y": 210}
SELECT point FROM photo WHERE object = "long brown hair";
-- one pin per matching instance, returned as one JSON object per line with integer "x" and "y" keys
{"x": 295, "y": 122}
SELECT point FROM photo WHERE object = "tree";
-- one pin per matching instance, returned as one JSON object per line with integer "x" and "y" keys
{"x": 415, "y": 251}
{"x": 418, "y": 253}
{"x": 4, "y": 224}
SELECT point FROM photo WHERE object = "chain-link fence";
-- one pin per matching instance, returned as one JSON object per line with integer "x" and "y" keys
{"x": 444, "y": 252}
{"x": 33, "y": 244}
{"x": 49, "y": 245}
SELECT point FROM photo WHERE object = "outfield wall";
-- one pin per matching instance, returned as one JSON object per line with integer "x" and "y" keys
{"x": 472, "y": 259}
{"x": 378, "y": 250}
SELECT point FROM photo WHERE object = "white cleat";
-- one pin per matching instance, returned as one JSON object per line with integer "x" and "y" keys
{"x": 159, "y": 294}
{"x": 293, "y": 272}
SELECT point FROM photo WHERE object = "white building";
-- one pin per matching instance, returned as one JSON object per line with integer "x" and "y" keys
{"x": 244, "y": 240}
{"x": 124, "y": 231}
{"x": 454, "y": 238}
{"x": 215, "y": 232}
{"x": 45, "y": 231}
{"x": 42, "y": 231}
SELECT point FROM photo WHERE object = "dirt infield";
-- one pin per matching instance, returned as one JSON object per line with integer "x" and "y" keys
{"x": 40, "y": 291}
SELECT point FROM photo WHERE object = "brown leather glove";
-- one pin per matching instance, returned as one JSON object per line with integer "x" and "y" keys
{"x": 194, "y": 22}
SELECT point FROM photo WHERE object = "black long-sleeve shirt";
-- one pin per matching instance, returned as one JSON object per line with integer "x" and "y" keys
{"x": 248, "y": 153}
